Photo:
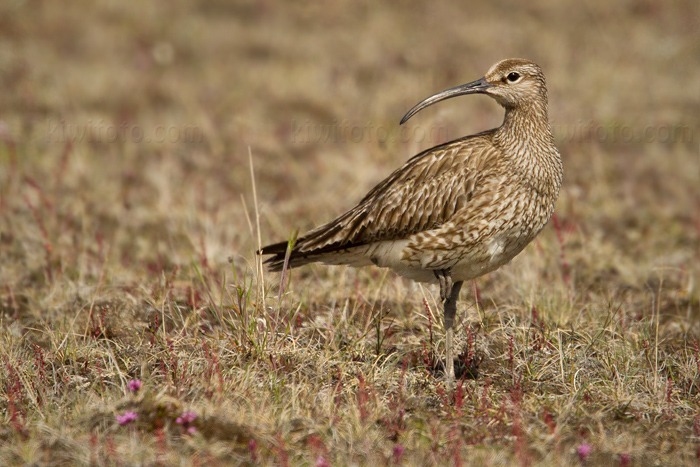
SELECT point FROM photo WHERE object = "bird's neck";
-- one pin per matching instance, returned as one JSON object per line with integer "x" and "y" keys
{"x": 526, "y": 140}
{"x": 526, "y": 132}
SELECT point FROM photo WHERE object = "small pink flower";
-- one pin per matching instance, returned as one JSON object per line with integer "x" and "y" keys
{"x": 186, "y": 418}
{"x": 134, "y": 385}
{"x": 583, "y": 451}
{"x": 625, "y": 460}
{"x": 398, "y": 452}
{"x": 127, "y": 418}
{"x": 321, "y": 462}
{"x": 252, "y": 446}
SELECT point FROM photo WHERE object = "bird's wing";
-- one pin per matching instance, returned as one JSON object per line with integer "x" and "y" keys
{"x": 422, "y": 195}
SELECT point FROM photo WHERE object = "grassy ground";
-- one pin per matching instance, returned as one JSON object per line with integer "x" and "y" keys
{"x": 128, "y": 223}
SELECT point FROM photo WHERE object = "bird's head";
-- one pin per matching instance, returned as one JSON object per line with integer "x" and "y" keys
{"x": 513, "y": 82}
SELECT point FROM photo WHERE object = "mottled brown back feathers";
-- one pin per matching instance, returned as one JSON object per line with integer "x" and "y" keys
{"x": 422, "y": 195}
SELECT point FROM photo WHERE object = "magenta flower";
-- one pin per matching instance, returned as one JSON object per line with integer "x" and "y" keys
{"x": 321, "y": 462}
{"x": 127, "y": 418}
{"x": 398, "y": 452}
{"x": 134, "y": 385}
{"x": 186, "y": 418}
{"x": 252, "y": 446}
{"x": 583, "y": 451}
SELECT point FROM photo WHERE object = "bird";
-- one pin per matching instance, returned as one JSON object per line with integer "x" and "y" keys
{"x": 456, "y": 211}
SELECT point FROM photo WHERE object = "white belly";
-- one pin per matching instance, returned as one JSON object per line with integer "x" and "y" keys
{"x": 490, "y": 256}
{"x": 467, "y": 264}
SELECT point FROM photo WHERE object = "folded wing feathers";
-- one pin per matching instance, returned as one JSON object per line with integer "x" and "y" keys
{"x": 421, "y": 195}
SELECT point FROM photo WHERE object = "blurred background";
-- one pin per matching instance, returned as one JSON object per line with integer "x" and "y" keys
{"x": 126, "y": 128}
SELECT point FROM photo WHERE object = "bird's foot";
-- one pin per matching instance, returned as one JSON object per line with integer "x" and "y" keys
{"x": 445, "y": 280}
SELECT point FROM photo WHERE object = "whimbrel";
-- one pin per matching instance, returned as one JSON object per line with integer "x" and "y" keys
{"x": 456, "y": 211}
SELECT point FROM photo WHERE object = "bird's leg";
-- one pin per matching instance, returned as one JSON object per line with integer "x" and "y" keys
{"x": 449, "y": 293}
{"x": 450, "y": 309}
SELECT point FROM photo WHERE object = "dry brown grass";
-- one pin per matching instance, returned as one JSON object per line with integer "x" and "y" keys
{"x": 114, "y": 252}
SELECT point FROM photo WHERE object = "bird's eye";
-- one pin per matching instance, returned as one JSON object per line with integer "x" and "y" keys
{"x": 513, "y": 77}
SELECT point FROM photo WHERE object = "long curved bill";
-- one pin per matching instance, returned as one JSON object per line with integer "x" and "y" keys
{"x": 478, "y": 86}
